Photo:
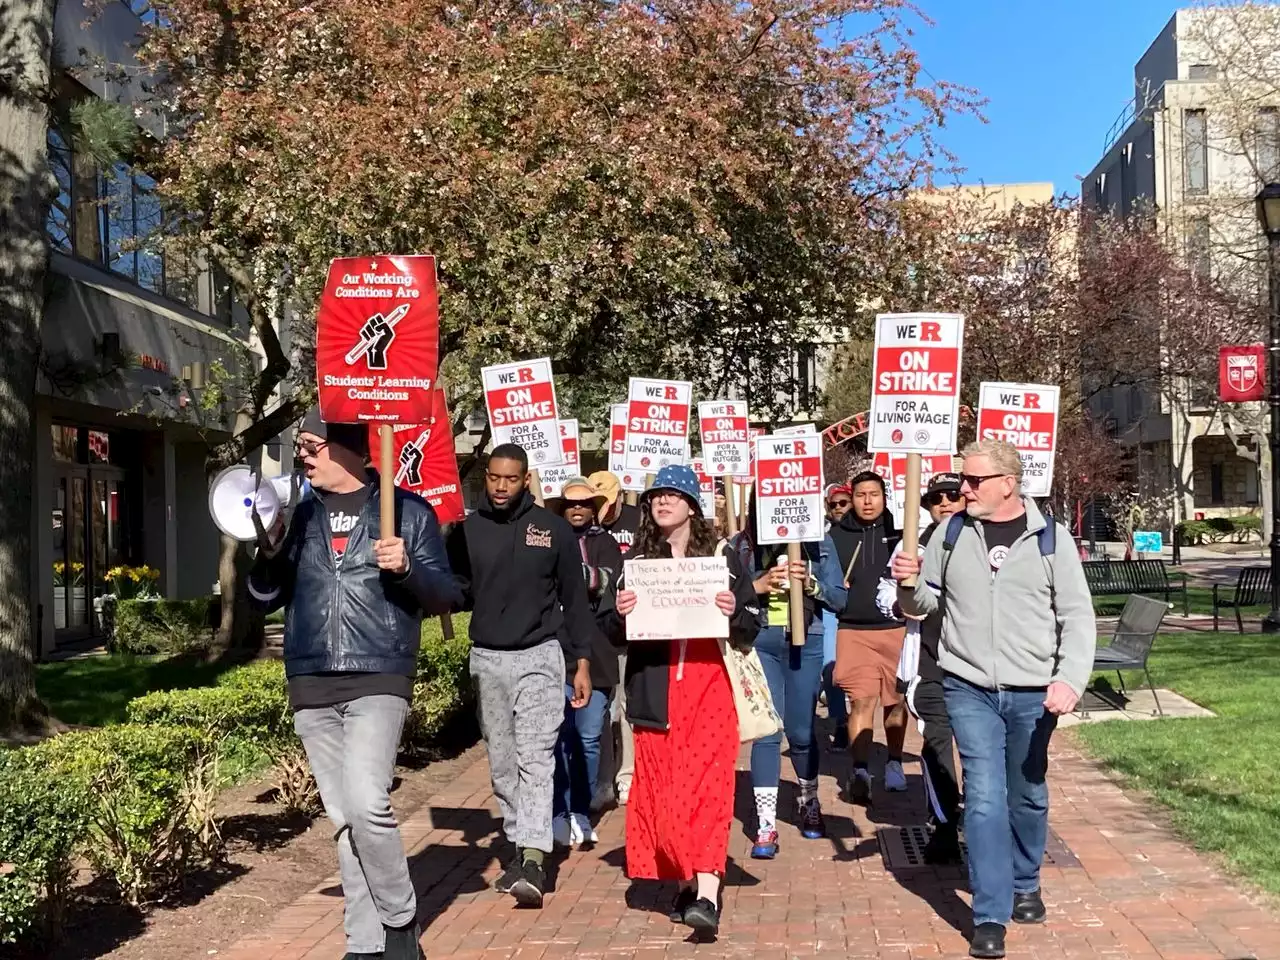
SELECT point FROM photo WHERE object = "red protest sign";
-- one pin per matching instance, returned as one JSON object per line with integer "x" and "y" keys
{"x": 726, "y": 443}
{"x": 378, "y": 340}
{"x": 426, "y": 463}
{"x": 553, "y": 478}
{"x": 753, "y": 433}
{"x": 521, "y": 399}
{"x": 1241, "y": 374}
{"x": 657, "y": 423}
{"x": 915, "y": 387}
{"x": 706, "y": 489}
{"x": 789, "y": 506}
{"x": 630, "y": 479}
{"x": 1025, "y": 415}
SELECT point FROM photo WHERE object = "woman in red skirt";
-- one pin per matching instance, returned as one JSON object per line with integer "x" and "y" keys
{"x": 680, "y": 705}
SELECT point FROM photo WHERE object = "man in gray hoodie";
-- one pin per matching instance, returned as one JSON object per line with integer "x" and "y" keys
{"x": 1016, "y": 651}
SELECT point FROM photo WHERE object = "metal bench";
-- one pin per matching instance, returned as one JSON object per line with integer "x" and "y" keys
{"x": 1253, "y": 587}
{"x": 1131, "y": 645}
{"x": 1123, "y": 577}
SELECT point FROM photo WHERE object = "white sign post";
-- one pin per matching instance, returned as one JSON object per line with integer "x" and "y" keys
{"x": 1026, "y": 415}
{"x": 789, "y": 503}
{"x": 676, "y": 599}
{"x": 657, "y": 423}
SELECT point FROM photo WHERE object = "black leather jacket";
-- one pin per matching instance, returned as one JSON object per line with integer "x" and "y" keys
{"x": 357, "y": 618}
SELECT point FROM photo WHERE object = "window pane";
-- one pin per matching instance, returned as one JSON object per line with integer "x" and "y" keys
{"x": 99, "y": 446}
{"x": 121, "y": 257}
{"x": 147, "y": 223}
{"x": 1196, "y": 150}
{"x": 1268, "y": 144}
{"x": 58, "y": 225}
{"x": 1198, "y": 246}
{"x": 66, "y": 443}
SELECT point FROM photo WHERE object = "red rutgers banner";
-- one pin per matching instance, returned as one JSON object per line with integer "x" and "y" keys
{"x": 1241, "y": 374}
{"x": 425, "y": 462}
{"x": 378, "y": 340}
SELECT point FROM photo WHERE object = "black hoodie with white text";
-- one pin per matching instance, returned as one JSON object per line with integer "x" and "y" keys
{"x": 864, "y": 550}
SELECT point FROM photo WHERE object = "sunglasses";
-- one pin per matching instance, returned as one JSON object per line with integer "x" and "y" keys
{"x": 974, "y": 481}
{"x": 935, "y": 498}
{"x": 834, "y": 504}
{"x": 309, "y": 448}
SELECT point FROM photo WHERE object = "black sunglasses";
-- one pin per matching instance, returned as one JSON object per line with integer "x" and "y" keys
{"x": 838, "y": 503}
{"x": 935, "y": 498}
{"x": 308, "y": 448}
{"x": 974, "y": 481}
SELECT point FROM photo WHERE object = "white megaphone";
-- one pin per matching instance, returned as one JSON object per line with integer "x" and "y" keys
{"x": 234, "y": 495}
{"x": 284, "y": 487}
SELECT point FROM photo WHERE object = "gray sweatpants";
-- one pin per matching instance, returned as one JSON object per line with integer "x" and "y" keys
{"x": 352, "y": 751}
{"x": 521, "y": 703}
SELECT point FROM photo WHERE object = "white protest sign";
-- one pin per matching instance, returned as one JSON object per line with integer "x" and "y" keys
{"x": 915, "y": 386}
{"x": 630, "y": 479}
{"x": 706, "y": 489}
{"x": 726, "y": 445}
{"x": 789, "y": 505}
{"x": 657, "y": 423}
{"x": 521, "y": 399}
{"x": 798, "y": 429}
{"x": 676, "y": 599}
{"x": 553, "y": 478}
{"x": 1026, "y": 415}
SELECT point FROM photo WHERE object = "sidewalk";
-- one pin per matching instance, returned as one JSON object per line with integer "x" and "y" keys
{"x": 1118, "y": 886}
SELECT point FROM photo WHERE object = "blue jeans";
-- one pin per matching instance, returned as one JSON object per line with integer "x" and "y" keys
{"x": 578, "y": 753}
{"x": 837, "y": 709}
{"x": 1003, "y": 738}
{"x": 794, "y": 675}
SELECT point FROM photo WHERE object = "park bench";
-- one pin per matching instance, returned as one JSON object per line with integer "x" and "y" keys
{"x": 1123, "y": 577}
{"x": 1253, "y": 586}
{"x": 1131, "y": 645}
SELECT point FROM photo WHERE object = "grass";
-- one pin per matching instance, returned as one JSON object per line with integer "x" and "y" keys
{"x": 95, "y": 691}
{"x": 1199, "y": 600}
{"x": 1217, "y": 776}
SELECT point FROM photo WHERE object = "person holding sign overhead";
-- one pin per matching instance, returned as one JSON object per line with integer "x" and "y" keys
{"x": 354, "y": 607}
{"x": 681, "y": 704}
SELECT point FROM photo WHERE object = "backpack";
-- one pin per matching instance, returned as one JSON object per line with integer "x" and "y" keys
{"x": 1047, "y": 536}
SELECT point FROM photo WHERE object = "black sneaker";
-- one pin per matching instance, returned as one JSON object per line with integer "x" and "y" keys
{"x": 510, "y": 874}
{"x": 987, "y": 942}
{"x": 943, "y": 847}
{"x": 363, "y": 956}
{"x": 403, "y": 943}
{"x": 840, "y": 740}
{"x": 857, "y": 788}
{"x": 529, "y": 886}
{"x": 704, "y": 918}
{"x": 683, "y": 901}
{"x": 1028, "y": 907}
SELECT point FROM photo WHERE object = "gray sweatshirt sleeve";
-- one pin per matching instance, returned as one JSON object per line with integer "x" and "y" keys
{"x": 1073, "y": 606}
{"x": 924, "y": 600}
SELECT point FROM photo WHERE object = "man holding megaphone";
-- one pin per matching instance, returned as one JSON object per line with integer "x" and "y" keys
{"x": 355, "y": 604}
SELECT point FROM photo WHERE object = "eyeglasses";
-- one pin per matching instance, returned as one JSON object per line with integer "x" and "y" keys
{"x": 975, "y": 482}
{"x": 308, "y": 448}
{"x": 836, "y": 504}
{"x": 935, "y": 498}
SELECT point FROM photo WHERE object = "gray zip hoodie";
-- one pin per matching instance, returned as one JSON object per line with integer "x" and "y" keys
{"x": 1011, "y": 630}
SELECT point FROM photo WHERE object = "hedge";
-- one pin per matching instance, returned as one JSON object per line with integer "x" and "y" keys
{"x": 161, "y": 626}
{"x": 1240, "y": 529}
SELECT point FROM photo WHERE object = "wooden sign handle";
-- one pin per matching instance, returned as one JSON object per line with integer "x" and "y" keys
{"x": 911, "y": 507}
{"x": 387, "y": 482}
{"x": 797, "y": 597}
{"x": 730, "y": 507}
{"x": 535, "y": 484}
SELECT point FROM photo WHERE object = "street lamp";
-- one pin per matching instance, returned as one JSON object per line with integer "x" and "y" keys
{"x": 1269, "y": 216}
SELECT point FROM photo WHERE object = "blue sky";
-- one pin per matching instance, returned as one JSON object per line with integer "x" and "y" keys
{"x": 1056, "y": 74}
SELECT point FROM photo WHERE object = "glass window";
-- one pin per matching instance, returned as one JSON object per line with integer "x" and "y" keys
{"x": 1269, "y": 144}
{"x": 58, "y": 225}
{"x": 1202, "y": 71}
{"x": 146, "y": 229}
{"x": 99, "y": 446}
{"x": 66, "y": 443}
{"x": 1198, "y": 253}
{"x": 121, "y": 256}
{"x": 1195, "y": 149}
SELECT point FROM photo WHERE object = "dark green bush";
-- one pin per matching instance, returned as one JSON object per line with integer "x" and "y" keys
{"x": 162, "y": 626}
{"x": 1216, "y": 529}
{"x": 442, "y": 688}
{"x": 139, "y": 780}
{"x": 43, "y": 820}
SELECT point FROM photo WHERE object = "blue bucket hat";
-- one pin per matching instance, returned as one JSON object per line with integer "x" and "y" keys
{"x": 682, "y": 480}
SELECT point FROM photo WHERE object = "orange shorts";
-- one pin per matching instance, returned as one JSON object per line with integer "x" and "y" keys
{"x": 867, "y": 663}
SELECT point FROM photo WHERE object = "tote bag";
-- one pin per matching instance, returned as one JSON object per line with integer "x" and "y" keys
{"x": 757, "y": 716}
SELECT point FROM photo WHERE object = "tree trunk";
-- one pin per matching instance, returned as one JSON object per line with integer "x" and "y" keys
{"x": 26, "y": 44}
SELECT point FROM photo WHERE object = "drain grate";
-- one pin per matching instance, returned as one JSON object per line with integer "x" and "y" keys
{"x": 902, "y": 848}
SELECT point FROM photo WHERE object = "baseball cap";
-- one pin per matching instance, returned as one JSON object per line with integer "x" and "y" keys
{"x": 943, "y": 481}
{"x": 835, "y": 488}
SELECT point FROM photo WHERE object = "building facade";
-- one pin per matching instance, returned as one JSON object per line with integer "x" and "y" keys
{"x": 1178, "y": 152}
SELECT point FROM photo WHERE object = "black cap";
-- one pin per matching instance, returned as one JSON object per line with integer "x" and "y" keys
{"x": 944, "y": 481}
{"x": 351, "y": 436}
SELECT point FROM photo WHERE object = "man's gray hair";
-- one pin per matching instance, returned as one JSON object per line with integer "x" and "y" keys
{"x": 1002, "y": 454}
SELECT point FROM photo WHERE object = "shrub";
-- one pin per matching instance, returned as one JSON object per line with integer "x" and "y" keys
{"x": 1247, "y": 527}
{"x": 161, "y": 626}
{"x": 43, "y": 819}
{"x": 139, "y": 781}
{"x": 442, "y": 688}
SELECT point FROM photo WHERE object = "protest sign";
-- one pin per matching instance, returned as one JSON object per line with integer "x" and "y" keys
{"x": 1025, "y": 415}
{"x": 378, "y": 340}
{"x": 915, "y": 387}
{"x": 894, "y": 472}
{"x": 657, "y": 423}
{"x": 726, "y": 445}
{"x": 789, "y": 490}
{"x": 521, "y": 399}
{"x": 553, "y": 478}
{"x": 632, "y": 480}
{"x": 426, "y": 463}
{"x": 707, "y": 490}
{"x": 676, "y": 599}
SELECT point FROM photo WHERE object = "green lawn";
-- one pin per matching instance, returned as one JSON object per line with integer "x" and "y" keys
{"x": 95, "y": 690}
{"x": 1218, "y": 777}
{"x": 1199, "y": 599}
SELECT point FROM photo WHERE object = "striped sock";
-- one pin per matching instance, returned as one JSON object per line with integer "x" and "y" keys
{"x": 767, "y": 808}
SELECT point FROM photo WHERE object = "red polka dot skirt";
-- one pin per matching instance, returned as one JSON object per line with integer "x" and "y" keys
{"x": 681, "y": 804}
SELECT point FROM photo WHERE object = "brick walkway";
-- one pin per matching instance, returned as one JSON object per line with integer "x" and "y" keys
{"x": 1135, "y": 894}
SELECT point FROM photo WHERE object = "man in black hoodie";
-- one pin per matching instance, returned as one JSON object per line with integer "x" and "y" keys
{"x": 868, "y": 643}
{"x": 519, "y": 569}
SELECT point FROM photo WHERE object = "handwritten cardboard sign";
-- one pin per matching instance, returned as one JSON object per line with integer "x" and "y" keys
{"x": 676, "y": 599}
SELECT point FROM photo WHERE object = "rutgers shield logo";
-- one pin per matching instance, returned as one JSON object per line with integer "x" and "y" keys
{"x": 1242, "y": 373}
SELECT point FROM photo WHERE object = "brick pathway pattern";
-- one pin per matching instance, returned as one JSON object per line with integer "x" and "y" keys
{"x": 1137, "y": 893}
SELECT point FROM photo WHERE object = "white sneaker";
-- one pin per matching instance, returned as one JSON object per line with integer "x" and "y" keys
{"x": 583, "y": 832}
{"x": 562, "y": 831}
{"x": 895, "y": 781}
